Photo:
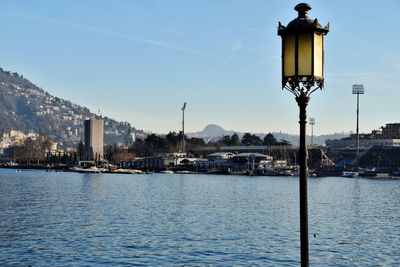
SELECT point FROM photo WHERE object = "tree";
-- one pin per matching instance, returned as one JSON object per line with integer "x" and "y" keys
{"x": 194, "y": 141}
{"x": 174, "y": 140}
{"x": 225, "y": 140}
{"x": 19, "y": 153}
{"x": 140, "y": 148}
{"x": 81, "y": 150}
{"x": 31, "y": 150}
{"x": 284, "y": 142}
{"x": 235, "y": 141}
{"x": 251, "y": 139}
{"x": 270, "y": 140}
{"x": 156, "y": 143}
{"x": 119, "y": 153}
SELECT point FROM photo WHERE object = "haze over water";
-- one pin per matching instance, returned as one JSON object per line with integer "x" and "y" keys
{"x": 60, "y": 219}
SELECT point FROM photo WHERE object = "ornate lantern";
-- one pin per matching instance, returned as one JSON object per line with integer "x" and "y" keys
{"x": 302, "y": 50}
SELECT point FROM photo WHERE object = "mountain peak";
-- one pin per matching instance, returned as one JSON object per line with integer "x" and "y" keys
{"x": 213, "y": 129}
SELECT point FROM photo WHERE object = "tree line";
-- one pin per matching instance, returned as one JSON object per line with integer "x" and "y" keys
{"x": 39, "y": 150}
{"x": 249, "y": 139}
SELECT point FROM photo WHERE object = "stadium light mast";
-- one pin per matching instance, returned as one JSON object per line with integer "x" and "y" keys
{"x": 302, "y": 74}
{"x": 312, "y": 123}
{"x": 183, "y": 128}
{"x": 358, "y": 89}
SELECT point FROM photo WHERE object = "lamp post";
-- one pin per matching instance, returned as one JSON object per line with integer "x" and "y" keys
{"x": 302, "y": 74}
{"x": 312, "y": 123}
{"x": 358, "y": 89}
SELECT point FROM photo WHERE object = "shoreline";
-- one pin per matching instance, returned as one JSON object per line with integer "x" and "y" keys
{"x": 379, "y": 176}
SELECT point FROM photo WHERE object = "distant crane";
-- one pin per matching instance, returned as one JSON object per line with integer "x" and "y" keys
{"x": 183, "y": 128}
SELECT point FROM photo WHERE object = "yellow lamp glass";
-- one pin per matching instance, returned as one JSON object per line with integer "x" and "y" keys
{"x": 289, "y": 61}
{"x": 305, "y": 54}
{"x": 318, "y": 55}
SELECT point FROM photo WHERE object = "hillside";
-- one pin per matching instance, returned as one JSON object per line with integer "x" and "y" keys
{"x": 26, "y": 107}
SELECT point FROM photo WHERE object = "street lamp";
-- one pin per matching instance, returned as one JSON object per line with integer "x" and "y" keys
{"x": 358, "y": 89}
{"x": 312, "y": 123}
{"x": 302, "y": 74}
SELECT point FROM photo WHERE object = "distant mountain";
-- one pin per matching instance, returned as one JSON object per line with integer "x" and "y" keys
{"x": 211, "y": 131}
{"x": 26, "y": 107}
{"x": 215, "y": 132}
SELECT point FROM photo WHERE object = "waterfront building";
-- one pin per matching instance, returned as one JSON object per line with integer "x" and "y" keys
{"x": 365, "y": 142}
{"x": 14, "y": 137}
{"x": 162, "y": 161}
{"x": 251, "y": 161}
{"x": 220, "y": 156}
{"x": 205, "y": 151}
{"x": 391, "y": 130}
{"x": 219, "y": 161}
{"x": 381, "y": 158}
{"x": 94, "y": 139}
{"x": 388, "y": 136}
{"x": 376, "y": 148}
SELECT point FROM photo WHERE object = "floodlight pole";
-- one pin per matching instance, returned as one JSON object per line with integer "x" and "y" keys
{"x": 183, "y": 128}
{"x": 312, "y": 135}
{"x": 312, "y": 123}
{"x": 357, "y": 129}
{"x": 358, "y": 89}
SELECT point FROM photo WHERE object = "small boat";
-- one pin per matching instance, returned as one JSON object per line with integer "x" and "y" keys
{"x": 350, "y": 174}
{"x": 134, "y": 171}
{"x": 167, "y": 172}
{"x": 86, "y": 170}
{"x": 127, "y": 171}
{"x": 183, "y": 172}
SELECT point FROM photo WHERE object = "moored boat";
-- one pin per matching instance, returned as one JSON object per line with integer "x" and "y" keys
{"x": 349, "y": 174}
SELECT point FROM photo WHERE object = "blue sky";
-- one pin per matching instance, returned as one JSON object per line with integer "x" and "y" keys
{"x": 139, "y": 60}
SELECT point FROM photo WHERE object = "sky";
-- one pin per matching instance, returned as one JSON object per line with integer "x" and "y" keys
{"x": 140, "y": 60}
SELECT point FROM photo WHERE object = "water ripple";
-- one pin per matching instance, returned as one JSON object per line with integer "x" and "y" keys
{"x": 65, "y": 219}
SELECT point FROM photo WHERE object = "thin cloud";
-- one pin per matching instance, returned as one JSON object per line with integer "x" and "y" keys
{"x": 246, "y": 29}
{"x": 275, "y": 57}
{"x": 236, "y": 45}
{"x": 108, "y": 33}
{"x": 361, "y": 74}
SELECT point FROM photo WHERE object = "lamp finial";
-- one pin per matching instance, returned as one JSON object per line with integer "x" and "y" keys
{"x": 303, "y": 9}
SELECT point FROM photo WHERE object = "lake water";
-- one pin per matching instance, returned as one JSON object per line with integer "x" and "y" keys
{"x": 64, "y": 219}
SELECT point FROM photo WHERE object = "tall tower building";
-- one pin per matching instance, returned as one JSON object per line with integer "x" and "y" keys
{"x": 94, "y": 139}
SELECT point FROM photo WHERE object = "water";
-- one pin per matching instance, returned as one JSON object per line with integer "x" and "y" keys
{"x": 64, "y": 219}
